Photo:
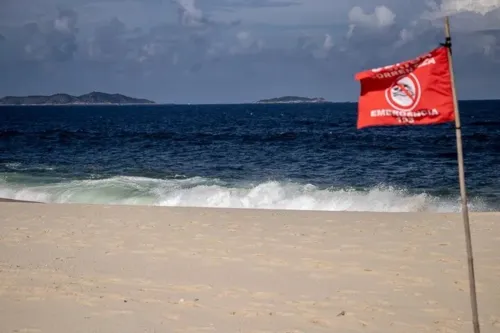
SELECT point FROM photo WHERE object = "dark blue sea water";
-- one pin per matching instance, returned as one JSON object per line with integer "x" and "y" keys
{"x": 293, "y": 156}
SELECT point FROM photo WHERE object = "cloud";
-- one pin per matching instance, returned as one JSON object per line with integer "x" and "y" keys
{"x": 322, "y": 51}
{"x": 243, "y": 36}
{"x": 232, "y": 4}
{"x": 380, "y": 18}
{"x": 107, "y": 42}
{"x": 246, "y": 44}
{"x": 190, "y": 14}
{"x": 328, "y": 43}
{"x": 405, "y": 35}
{"x": 466, "y": 15}
{"x": 232, "y": 50}
{"x": 53, "y": 40}
{"x": 66, "y": 22}
{"x": 451, "y": 7}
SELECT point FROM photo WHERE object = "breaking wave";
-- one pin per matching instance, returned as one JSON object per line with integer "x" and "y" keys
{"x": 205, "y": 192}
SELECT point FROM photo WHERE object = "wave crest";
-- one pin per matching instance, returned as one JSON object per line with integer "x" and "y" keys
{"x": 205, "y": 192}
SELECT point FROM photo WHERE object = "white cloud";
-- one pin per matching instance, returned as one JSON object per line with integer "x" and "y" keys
{"x": 243, "y": 36}
{"x": 66, "y": 22}
{"x": 62, "y": 24}
{"x": 465, "y": 15}
{"x": 471, "y": 14}
{"x": 247, "y": 44}
{"x": 380, "y": 18}
{"x": 191, "y": 14}
{"x": 321, "y": 51}
{"x": 450, "y": 7}
{"x": 328, "y": 43}
{"x": 406, "y": 35}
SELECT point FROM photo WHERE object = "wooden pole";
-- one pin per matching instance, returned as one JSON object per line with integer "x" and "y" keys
{"x": 463, "y": 193}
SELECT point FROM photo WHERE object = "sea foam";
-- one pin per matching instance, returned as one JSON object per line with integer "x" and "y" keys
{"x": 206, "y": 192}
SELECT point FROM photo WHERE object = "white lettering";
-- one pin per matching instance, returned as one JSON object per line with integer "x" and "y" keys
{"x": 404, "y": 68}
{"x": 376, "y": 70}
{"x": 398, "y": 72}
{"x": 405, "y": 116}
{"x": 405, "y": 120}
{"x": 427, "y": 62}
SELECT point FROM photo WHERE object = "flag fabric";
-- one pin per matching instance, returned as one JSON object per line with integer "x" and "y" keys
{"x": 414, "y": 92}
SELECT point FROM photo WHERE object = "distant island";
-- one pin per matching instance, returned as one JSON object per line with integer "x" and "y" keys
{"x": 293, "y": 99}
{"x": 62, "y": 99}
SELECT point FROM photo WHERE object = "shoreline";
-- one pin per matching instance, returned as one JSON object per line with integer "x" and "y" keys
{"x": 276, "y": 210}
{"x": 7, "y": 200}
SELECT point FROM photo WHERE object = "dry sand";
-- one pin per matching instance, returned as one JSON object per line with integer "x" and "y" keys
{"x": 89, "y": 268}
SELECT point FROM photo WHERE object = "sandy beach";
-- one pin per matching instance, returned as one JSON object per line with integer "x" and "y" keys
{"x": 89, "y": 268}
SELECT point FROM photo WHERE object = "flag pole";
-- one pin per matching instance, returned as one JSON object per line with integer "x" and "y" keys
{"x": 463, "y": 193}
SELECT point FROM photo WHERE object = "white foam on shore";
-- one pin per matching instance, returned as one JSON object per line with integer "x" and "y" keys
{"x": 204, "y": 192}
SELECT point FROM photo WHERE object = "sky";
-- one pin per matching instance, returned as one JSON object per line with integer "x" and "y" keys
{"x": 236, "y": 51}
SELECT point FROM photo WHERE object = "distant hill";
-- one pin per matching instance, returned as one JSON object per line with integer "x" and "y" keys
{"x": 59, "y": 99}
{"x": 293, "y": 99}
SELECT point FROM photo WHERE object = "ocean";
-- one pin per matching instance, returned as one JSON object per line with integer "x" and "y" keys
{"x": 267, "y": 156}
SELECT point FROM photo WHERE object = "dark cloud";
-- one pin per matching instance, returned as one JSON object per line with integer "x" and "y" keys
{"x": 371, "y": 46}
{"x": 195, "y": 56}
{"x": 53, "y": 40}
{"x": 162, "y": 48}
{"x": 305, "y": 43}
{"x": 234, "y": 4}
{"x": 196, "y": 68}
{"x": 107, "y": 43}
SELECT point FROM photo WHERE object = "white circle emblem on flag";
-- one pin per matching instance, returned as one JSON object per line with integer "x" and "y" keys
{"x": 404, "y": 94}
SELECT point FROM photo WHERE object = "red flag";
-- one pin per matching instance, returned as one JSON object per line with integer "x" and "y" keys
{"x": 415, "y": 92}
